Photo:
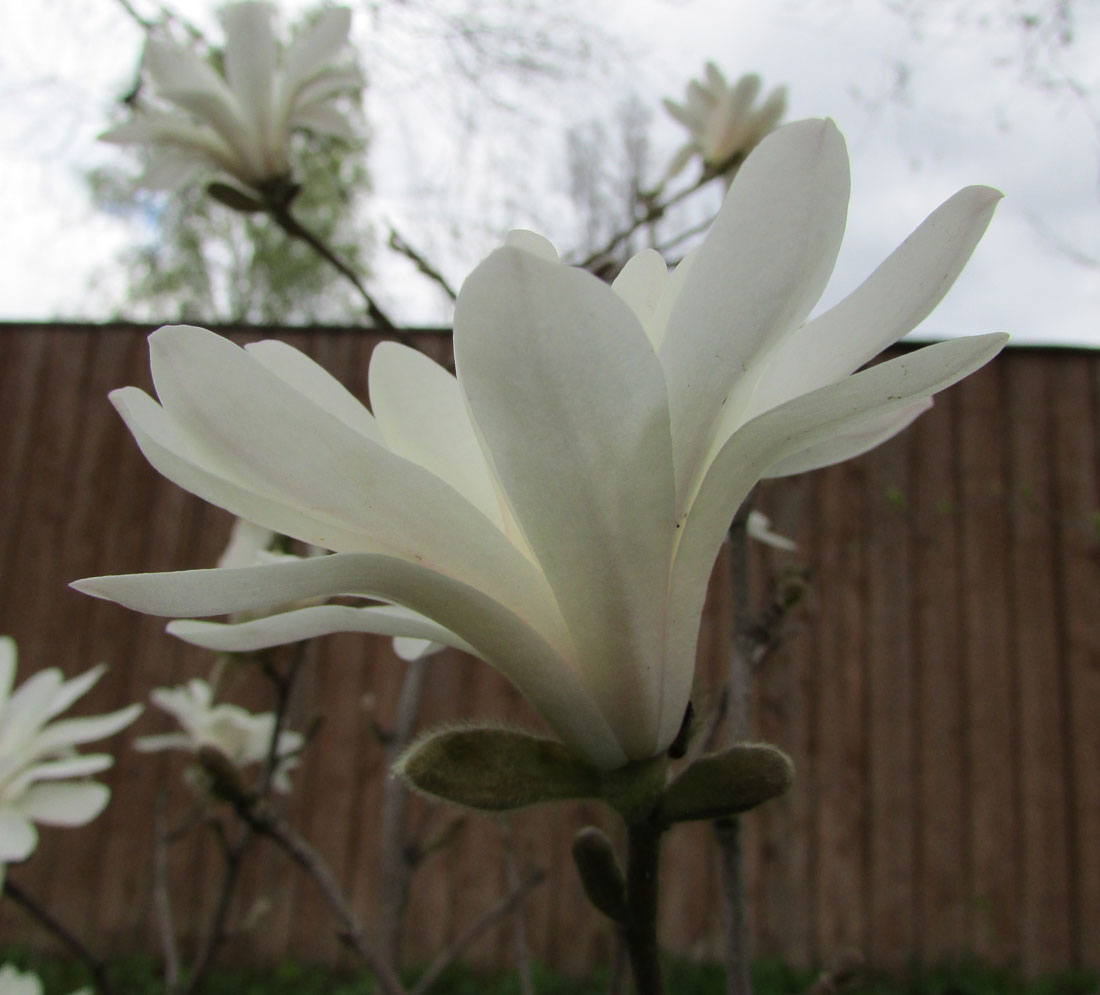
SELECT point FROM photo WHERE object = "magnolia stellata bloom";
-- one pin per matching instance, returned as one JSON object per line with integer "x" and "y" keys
{"x": 242, "y": 737}
{"x": 722, "y": 119}
{"x": 42, "y": 777}
{"x": 240, "y": 123}
{"x": 557, "y": 507}
{"x": 16, "y": 982}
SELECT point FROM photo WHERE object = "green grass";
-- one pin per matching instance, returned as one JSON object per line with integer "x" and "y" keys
{"x": 140, "y": 976}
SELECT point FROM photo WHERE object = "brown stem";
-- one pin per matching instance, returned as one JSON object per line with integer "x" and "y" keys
{"x": 162, "y": 900}
{"x": 398, "y": 859}
{"x": 54, "y": 925}
{"x": 728, "y": 830}
{"x": 640, "y": 930}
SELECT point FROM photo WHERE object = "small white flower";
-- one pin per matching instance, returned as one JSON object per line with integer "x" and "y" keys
{"x": 240, "y": 124}
{"x": 42, "y": 777}
{"x": 722, "y": 119}
{"x": 242, "y": 737}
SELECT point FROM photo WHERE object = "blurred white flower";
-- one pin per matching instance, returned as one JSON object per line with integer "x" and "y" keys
{"x": 242, "y": 737}
{"x": 16, "y": 982}
{"x": 240, "y": 124}
{"x": 42, "y": 777}
{"x": 723, "y": 121}
{"x": 759, "y": 527}
{"x": 557, "y": 507}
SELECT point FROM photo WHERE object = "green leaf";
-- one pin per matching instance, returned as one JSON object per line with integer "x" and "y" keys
{"x": 726, "y": 783}
{"x": 495, "y": 770}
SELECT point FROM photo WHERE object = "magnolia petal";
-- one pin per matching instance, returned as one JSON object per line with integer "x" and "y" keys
{"x": 529, "y": 241}
{"x": 72, "y": 690}
{"x": 411, "y": 650}
{"x": 569, "y": 399}
{"x": 250, "y": 62}
{"x": 641, "y": 283}
{"x": 422, "y": 416}
{"x": 313, "y": 381}
{"x": 310, "y": 623}
{"x": 227, "y": 121}
{"x": 64, "y": 804}
{"x": 73, "y": 732}
{"x": 163, "y": 741}
{"x": 27, "y": 709}
{"x": 18, "y": 837}
{"x": 83, "y": 765}
{"x": 893, "y": 300}
{"x": 760, "y": 270}
{"x": 312, "y": 50}
{"x": 496, "y": 634}
{"x": 847, "y": 445}
{"x": 324, "y": 119}
{"x": 246, "y": 424}
{"x": 865, "y": 398}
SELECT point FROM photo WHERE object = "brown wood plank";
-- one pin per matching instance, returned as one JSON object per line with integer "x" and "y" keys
{"x": 1045, "y": 907}
{"x": 1076, "y": 438}
{"x": 891, "y": 728}
{"x": 839, "y": 620}
{"x": 991, "y": 691}
{"x": 944, "y": 909}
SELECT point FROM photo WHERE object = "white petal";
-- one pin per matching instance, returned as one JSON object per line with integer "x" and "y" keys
{"x": 27, "y": 710}
{"x": 568, "y": 396}
{"x": 71, "y": 691}
{"x": 760, "y": 270}
{"x": 73, "y": 732}
{"x": 497, "y": 634}
{"x": 314, "y": 48}
{"x": 422, "y": 416}
{"x": 640, "y": 283}
{"x": 410, "y": 649}
{"x": 847, "y": 445}
{"x": 896, "y": 298}
{"x": 313, "y": 381}
{"x": 309, "y": 623}
{"x": 18, "y": 837}
{"x": 163, "y": 741}
{"x": 529, "y": 241}
{"x": 64, "y": 804}
{"x": 250, "y": 59}
{"x": 248, "y": 425}
{"x": 324, "y": 119}
{"x": 806, "y": 421}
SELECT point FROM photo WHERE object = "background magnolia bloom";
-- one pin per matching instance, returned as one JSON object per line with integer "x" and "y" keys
{"x": 557, "y": 507}
{"x": 242, "y": 737}
{"x": 722, "y": 119}
{"x": 759, "y": 527}
{"x": 240, "y": 124}
{"x": 16, "y": 982}
{"x": 42, "y": 777}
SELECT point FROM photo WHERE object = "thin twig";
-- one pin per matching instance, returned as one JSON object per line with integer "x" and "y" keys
{"x": 265, "y": 821}
{"x": 475, "y": 932}
{"x": 398, "y": 857}
{"x": 162, "y": 900}
{"x": 399, "y": 244}
{"x": 519, "y": 930}
{"x": 54, "y": 925}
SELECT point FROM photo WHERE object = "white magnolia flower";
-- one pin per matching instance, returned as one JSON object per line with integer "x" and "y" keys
{"x": 556, "y": 509}
{"x": 42, "y": 777}
{"x": 16, "y": 982}
{"x": 240, "y": 123}
{"x": 242, "y": 737}
{"x": 722, "y": 119}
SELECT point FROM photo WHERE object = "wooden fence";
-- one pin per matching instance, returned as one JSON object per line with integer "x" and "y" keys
{"x": 940, "y": 691}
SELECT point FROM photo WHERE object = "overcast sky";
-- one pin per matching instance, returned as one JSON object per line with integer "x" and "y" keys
{"x": 928, "y": 104}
